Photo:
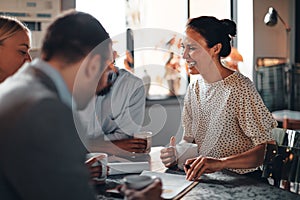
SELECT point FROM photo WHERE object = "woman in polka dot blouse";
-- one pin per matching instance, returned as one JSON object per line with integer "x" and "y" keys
{"x": 223, "y": 112}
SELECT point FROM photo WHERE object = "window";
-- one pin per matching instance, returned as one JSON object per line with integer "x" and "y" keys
{"x": 158, "y": 27}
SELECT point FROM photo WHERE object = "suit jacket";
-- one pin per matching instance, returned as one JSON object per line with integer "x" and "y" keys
{"x": 41, "y": 154}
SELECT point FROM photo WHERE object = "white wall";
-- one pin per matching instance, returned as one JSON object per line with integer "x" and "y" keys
{"x": 270, "y": 41}
{"x": 217, "y": 8}
{"x": 165, "y": 14}
{"x": 245, "y": 36}
{"x": 110, "y": 13}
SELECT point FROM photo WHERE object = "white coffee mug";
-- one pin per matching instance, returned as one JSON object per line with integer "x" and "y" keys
{"x": 147, "y": 135}
{"x": 102, "y": 160}
{"x": 185, "y": 151}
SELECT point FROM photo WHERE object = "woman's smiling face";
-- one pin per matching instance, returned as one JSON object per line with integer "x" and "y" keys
{"x": 196, "y": 52}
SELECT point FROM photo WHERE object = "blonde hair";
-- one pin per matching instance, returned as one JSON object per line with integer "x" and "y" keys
{"x": 10, "y": 26}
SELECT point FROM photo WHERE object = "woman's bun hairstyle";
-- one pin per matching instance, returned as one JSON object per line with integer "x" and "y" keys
{"x": 214, "y": 31}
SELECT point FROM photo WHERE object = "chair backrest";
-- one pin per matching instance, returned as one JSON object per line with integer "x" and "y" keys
{"x": 291, "y": 124}
{"x": 286, "y": 137}
{"x": 279, "y": 134}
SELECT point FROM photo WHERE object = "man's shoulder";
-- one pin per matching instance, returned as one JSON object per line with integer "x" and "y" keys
{"x": 23, "y": 91}
{"x": 128, "y": 76}
{"x": 28, "y": 107}
{"x": 126, "y": 80}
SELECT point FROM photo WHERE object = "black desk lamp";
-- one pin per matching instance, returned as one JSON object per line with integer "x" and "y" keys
{"x": 271, "y": 19}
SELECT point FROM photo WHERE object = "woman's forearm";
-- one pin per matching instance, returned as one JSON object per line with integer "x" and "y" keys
{"x": 249, "y": 159}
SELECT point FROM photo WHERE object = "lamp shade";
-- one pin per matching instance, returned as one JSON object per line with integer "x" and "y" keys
{"x": 271, "y": 17}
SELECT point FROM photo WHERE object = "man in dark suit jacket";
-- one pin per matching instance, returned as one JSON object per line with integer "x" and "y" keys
{"x": 41, "y": 153}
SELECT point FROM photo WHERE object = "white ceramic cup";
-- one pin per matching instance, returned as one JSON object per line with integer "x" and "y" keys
{"x": 102, "y": 160}
{"x": 185, "y": 151}
{"x": 147, "y": 135}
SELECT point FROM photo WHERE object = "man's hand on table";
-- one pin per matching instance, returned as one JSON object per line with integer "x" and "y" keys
{"x": 131, "y": 145}
{"x": 151, "y": 192}
{"x": 95, "y": 169}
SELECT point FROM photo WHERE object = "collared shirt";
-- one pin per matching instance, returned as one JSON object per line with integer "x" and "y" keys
{"x": 118, "y": 114}
{"x": 54, "y": 75}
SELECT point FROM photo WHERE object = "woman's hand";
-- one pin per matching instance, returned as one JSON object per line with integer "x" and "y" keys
{"x": 151, "y": 192}
{"x": 195, "y": 167}
{"x": 168, "y": 155}
{"x": 249, "y": 159}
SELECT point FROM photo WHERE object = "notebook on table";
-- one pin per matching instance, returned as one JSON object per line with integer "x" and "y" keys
{"x": 174, "y": 185}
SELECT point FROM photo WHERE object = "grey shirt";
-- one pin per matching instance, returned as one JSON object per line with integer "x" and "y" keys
{"x": 120, "y": 113}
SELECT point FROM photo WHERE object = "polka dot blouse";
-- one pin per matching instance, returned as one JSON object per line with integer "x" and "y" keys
{"x": 226, "y": 117}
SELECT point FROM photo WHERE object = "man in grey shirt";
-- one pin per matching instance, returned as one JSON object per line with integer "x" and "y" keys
{"x": 116, "y": 114}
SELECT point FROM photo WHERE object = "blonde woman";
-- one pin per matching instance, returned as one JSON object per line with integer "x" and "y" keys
{"x": 14, "y": 46}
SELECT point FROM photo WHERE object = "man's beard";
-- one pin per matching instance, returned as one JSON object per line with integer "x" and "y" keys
{"x": 104, "y": 91}
{"x": 112, "y": 76}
